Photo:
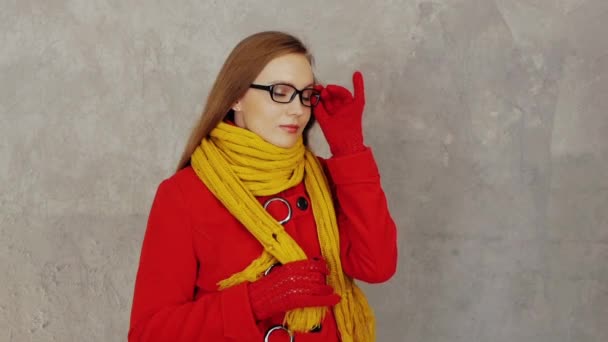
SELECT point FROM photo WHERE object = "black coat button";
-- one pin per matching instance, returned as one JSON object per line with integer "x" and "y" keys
{"x": 302, "y": 203}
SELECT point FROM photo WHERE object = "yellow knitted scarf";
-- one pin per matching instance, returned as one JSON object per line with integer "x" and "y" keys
{"x": 237, "y": 165}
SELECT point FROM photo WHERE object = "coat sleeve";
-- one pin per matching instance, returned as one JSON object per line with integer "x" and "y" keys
{"x": 164, "y": 305}
{"x": 368, "y": 241}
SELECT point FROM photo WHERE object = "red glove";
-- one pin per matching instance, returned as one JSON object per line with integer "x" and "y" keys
{"x": 293, "y": 285}
{"x": 339, "y": 114}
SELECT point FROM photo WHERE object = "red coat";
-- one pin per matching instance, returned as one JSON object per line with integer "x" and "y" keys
{"x": 192, "y": 242}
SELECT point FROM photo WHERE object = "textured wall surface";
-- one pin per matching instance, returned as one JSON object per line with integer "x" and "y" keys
{"x": 488, "y": 120}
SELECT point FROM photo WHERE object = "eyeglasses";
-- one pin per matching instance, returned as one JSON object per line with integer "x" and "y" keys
{"x": 285, "y": 93}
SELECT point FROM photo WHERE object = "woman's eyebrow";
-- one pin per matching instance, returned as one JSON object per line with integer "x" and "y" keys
{"x": 291, "y": 84}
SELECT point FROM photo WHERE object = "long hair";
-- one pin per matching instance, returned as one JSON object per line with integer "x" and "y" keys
{"x": 243, "y": 65}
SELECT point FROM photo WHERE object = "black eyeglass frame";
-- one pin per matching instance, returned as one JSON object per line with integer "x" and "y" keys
{"x": 269, "y": 88}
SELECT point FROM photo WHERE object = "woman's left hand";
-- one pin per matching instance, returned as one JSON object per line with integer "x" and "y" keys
{"x": 340, "y": 114}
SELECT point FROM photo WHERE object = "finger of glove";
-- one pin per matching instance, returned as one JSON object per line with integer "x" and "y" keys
{"x": 336, "y": 94}
{"x": 335, "y": 97}
{"x": 306, "y": 289}
{"x": 292, "y": 280}
{"x": 286, "y": 280}
{"x": 325, "y": 107}
{"x": 286, "y": 291}
{"x": 359, "y": 88}
{"x": 320, "y": 111}
{"x": 305, "y": 293}
{"x": 273, "y": 303}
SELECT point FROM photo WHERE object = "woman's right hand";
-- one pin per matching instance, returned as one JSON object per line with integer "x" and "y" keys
{"x": 293, "y": 285}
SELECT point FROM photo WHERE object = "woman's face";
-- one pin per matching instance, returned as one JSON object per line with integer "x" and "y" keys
{"x": 280, "y": 124}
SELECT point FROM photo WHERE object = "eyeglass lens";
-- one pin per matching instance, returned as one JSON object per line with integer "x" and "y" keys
{"x": 284, "y": 93}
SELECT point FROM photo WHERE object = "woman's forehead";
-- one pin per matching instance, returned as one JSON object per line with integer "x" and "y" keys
{"x": 292, "y": 69}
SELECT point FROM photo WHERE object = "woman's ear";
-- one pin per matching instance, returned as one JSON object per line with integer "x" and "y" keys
{"x": 237, "y": 106}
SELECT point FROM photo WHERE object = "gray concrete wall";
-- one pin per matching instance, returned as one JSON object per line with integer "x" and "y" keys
{"x": 488, "y": 120}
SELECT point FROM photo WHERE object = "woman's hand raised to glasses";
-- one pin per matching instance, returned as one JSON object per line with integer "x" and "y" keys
{"x": 340, "y": 114}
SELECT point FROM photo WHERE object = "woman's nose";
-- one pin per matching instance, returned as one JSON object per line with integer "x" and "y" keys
{"x": 296, "y": 107}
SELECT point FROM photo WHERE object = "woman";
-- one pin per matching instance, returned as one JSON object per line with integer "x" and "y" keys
{"x": 254, "y": 238}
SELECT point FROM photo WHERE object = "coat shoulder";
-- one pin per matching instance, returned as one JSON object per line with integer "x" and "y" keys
{"x": 191, "y": 186}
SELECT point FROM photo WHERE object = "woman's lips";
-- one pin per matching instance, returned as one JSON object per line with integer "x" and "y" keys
{"x": 290, "y": 128}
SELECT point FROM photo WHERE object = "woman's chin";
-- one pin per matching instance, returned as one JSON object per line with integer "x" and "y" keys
{"x": 283, "y": 143}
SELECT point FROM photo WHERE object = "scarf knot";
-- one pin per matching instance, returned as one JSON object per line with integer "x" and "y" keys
{"x": 264, "y": 169}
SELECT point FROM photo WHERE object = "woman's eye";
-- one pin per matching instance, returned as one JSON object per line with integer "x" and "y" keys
{"x": 282, "y": 90}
